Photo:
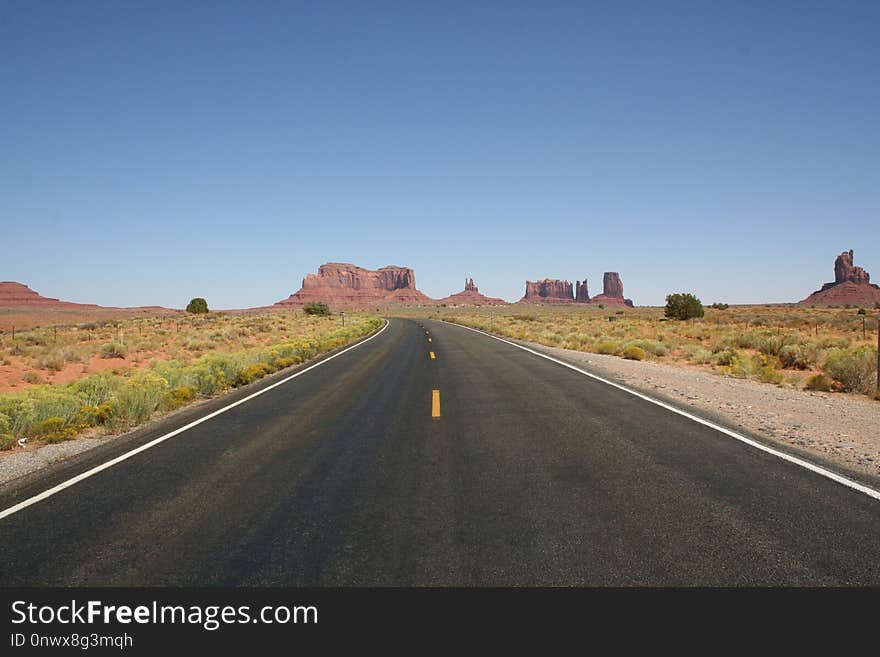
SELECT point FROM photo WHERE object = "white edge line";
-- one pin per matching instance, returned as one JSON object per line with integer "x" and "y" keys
{"x": 127, "y": 455}
{"x": 840, "y": 479}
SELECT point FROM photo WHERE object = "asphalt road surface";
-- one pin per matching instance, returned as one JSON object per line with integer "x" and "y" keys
{"x": 484, "y": 465}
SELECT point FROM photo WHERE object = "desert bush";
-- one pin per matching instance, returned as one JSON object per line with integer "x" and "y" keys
{"x": 683, "y": 306}
{"x": 92, "y": 416}
{"x": 770, "y": 345}
{"x": 767, "y": 371}
{"x": 96, "y": 389}
{"x": 251, "y": 373}
{"x": 53, "y": 361}
{"x": 54, "y": 430}
{"x": 819, "y": 382}
{"x": 633, "y": 352}
{"x": 137, "y": 399}
{"x": 197, "y": 306}
{"x": 609, "y": 348}
{"x": 834, "y": 342}
{"x": 744, "y": 366}
{"x": 316, "y": 308}
{"x": 653, "y": 348}
{"x": 720, "y": 306}
{"x": 727, "y": 357}
{"x": 801, "y": 356}
{"x": 696, "y": 354}
{"x": 32, "y": 377}
{"x": 113, "y": 350}
{"x": 855, "y": 370}
{"x": 177, "y": 397}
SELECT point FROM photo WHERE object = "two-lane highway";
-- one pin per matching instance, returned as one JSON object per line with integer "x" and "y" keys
{"x": 434, "y": 455}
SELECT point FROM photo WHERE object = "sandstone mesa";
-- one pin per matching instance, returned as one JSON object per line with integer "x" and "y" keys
{"x": 851, "y": 286}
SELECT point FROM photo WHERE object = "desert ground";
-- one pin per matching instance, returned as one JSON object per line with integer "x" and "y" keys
{"x": 59, "y": 382}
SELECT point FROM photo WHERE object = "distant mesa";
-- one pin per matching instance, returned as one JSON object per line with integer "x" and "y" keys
{"x": 852, "y": 285}
{"x": 549, "y": 290}
{"x": 552, "y": 290}
{"x": 612, "y": 291}
{"x": 19, "y": 295}
{"x": 471, "y": 296}
{"x": 341, "y": 285}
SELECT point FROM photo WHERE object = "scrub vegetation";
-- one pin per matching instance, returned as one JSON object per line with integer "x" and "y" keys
{"x": 831, "y": 349}
{"x": 107, "y": 377}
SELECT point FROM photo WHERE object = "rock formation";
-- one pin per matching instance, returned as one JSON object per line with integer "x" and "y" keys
{"x": 581, "y": 294}
{"x": 852, "y": 285}
{"x": 471, "y": 296}
{"x": 341, "y": 285}
{"x": 612, "y": 291}
{"x": 18, "y": 295}
{"x": 550, "y": 290}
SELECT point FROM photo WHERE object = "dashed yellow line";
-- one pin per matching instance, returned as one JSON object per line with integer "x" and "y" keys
{"x": 433, "y": 357}
{"x": 435, "y": 403}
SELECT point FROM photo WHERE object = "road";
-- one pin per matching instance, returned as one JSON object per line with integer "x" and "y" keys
{"x": 516, "y": 471}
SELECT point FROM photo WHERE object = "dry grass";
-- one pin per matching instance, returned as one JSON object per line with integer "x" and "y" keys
{"x": 115, "y": 374}
{"x": 782, "y": 345}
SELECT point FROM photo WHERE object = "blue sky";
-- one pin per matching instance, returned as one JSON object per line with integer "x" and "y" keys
{"x": 151, "y": 152}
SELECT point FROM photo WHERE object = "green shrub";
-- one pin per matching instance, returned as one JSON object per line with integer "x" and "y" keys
{"x": 49, "y": 426}
{"x": 697, "y": 354}
{"x": 653, "y": 348}
{"x": 819, "y": 382}
{"x": 54, "y": 361}
{"x": 32, "y": 377}
{"x": 801, "y": 356}
{"x": 683, "y": 306}
{"x": 113, "y": 350}
{"x": 7, "y": 441}
{"x": 92, "y": 416}
{"x": 769, "y": 374}
{"x": 177, "y": 397}
{"x": 316, "y": 308}
{"x": 610, "y": 348}
{"x": 96, "y": 389}
{"x": 250, "y": 374}
{"x": 634, "y": 353}
{"x": 855, "y": 370}
{"x": 197, "y": 306}
{"x": 727, "y": 357}
{"x": 720, "y": 306}
{"x": 137, "y": 399}
{"x": 770, "y": 345}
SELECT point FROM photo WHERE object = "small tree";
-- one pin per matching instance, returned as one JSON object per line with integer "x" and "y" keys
{"x": 316, "y": 308}
{"x": 197, "y": 305}
{"x": 683, "y": 306}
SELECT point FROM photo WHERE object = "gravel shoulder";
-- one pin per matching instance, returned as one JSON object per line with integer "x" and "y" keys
{"x": 837, "y": 428}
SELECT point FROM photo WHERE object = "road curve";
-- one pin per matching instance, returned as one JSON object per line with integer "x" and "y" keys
{"x": 484, "y": 465}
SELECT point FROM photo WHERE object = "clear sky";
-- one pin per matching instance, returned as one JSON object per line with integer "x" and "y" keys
{"x": 151, "y": 152}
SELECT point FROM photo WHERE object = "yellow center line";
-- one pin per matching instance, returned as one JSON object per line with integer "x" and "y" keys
{"x": 435, "y": 404}
{"x": 433, "y": 357}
